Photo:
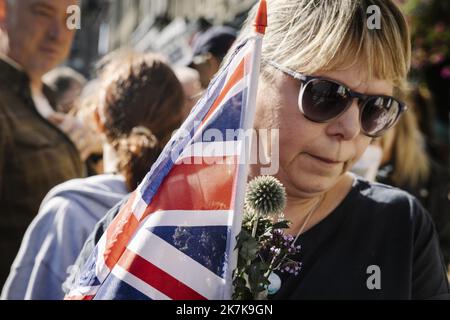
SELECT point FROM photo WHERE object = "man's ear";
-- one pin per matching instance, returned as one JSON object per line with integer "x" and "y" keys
{"x": 98, "y": 120}
{"x": 2, "y": 13}
{"x": 213, "y": 63}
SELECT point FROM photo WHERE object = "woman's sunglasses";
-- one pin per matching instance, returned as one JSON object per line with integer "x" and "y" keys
{"x": 322, "y": 100}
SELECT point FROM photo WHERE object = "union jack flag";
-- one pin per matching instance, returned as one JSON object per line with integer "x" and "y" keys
{"x": 175, "y": 236}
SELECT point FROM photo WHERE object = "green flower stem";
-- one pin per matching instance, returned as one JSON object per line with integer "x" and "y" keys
{"x": 271, "y": 267}
{"x": 255, "y": 225}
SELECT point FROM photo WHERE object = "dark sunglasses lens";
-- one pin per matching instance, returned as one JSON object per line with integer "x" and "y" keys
{"x": 323, "y": 100}
{"x": 379, "y": 114}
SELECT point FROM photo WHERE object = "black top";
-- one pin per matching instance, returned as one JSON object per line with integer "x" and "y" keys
{"x": 434, "y": 194}
{"x": 375, "y": 225}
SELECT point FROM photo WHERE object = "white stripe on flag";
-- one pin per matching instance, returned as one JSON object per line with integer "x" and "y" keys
{"x": 138, "y": 284}
{"x": 211, "y": 149}
{"x": 83, "y": 291}
{"x": 139, "y": 205}
{"x": 187, "y": 218}
{"x": 237, "y": 59}
{"x": 177, "y": 264}
{"x": 101, "y": 270}
{"x": 234, "y": 90}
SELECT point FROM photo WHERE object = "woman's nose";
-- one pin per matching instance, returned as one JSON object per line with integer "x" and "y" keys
{"x": 347, "y": 126}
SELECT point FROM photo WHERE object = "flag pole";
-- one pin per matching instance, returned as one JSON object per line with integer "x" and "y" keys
{"x": 259, "y": 25}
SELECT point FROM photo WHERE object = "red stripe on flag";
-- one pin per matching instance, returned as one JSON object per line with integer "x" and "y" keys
{"x": 204, "y": 186}
{"x": 157, "y": 278}
{"x": 78, "y": 297}
{"x": 196, "y": 187}
{"x": 119, "y": 233}
{"x": 238, "y": 74}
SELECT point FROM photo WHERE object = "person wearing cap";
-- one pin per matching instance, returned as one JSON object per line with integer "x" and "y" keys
{"x": 209, "y": 49}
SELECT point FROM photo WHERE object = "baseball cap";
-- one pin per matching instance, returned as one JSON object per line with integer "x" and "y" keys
{"x": 216, "y": 40}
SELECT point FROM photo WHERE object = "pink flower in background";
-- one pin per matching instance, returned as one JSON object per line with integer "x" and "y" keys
{"x": 437, "y": 58}
{"x": 445, "y": 72}
{"x": 439, "y": 28}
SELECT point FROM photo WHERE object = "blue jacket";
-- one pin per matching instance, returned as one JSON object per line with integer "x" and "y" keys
{"x": 54, "y": 239}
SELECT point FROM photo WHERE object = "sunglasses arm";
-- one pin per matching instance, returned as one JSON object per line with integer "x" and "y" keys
{"x": 292, "y": 73}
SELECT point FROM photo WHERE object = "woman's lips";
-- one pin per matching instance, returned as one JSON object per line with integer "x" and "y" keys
{"x": 325, "y": 160}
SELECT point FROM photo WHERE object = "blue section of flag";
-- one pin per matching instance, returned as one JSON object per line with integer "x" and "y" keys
{"x": 229, "y": 117}
{"x": 114, "y": 288}
{"x": 204, "y": 244}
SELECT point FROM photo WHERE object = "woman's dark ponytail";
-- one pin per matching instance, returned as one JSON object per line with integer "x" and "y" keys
{"x": 142, "y": 107}
{"x": 136, "y": 152}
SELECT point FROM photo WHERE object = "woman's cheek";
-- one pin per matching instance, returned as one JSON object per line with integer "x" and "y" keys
{"x": 361, "y": 146}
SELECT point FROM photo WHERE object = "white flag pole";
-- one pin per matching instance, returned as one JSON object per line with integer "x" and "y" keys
{"x": 260, "y": 25}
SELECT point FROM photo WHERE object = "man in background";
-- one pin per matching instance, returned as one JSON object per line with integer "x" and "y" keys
{"x": 209, "y": 49}
{"x": 68, "y": 85}
{"x": 190, "y": 81}
{"x": 35, "y": 153}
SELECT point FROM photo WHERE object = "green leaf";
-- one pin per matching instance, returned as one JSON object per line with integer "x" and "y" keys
{"x": 281, "y": 225}
{"x": 256, "y": 277}
{"x": 242, "y": 262}
{"x": 249, "y": 249}
{"x": 240, "y": 282}
{"x": 242, "y": 293}
{"x": 241, "y": 238}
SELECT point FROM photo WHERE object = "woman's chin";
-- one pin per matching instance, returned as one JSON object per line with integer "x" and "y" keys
{"x": 308, "y": 185}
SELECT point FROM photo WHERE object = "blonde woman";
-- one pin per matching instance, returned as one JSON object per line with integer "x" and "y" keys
{"x": 329, "y": 85}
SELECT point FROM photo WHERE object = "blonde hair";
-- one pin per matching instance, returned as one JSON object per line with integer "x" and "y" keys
{"x": 322, "y": 35}
{"x": 411, "y": 162}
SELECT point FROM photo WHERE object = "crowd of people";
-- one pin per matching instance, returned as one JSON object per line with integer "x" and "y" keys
{"x": 72, "y": 149}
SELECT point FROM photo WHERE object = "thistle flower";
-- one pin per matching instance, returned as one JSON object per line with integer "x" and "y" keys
{"x": 265, "y": 196}
{"x": 265, "y": 200}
